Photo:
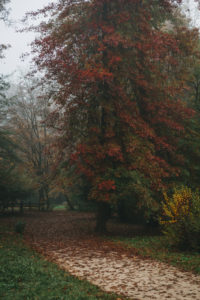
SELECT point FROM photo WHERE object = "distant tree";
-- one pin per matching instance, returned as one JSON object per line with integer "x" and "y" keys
{"x": 27, "y": 118}
{"x": 3, "y": 10}
{"x": 15, "y": 185}
{"x": 189, "y": 145}
{"x": 3, "y": 84}
{"x": 3, "y": 16}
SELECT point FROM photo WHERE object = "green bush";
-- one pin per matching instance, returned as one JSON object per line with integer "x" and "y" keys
{"x": 20, "y": 227}
{"x": 180, "y": 219}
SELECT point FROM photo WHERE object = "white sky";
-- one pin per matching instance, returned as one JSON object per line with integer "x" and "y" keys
{"x": 19, "y": 41}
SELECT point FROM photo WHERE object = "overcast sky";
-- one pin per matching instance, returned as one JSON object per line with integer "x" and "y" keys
{"x": 19, "y": 41}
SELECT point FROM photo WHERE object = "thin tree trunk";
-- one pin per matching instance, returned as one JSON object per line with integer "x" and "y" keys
{"x": 46, "y": 197}
{"x": 121, "y": 211}
{"x": 102, "y": 216}
{"x": 47, "y": 203}
{"x": 12, "y": 206}
{"x": 69, "y": 202}
{"x": 21, "y": 206}
{"x": 40, "y": 200}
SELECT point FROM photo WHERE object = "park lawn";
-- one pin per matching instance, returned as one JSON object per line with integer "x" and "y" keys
{"x": 59, "y": 207}
{"x": 26, "y": 275}
{"x": 156, "y": 247}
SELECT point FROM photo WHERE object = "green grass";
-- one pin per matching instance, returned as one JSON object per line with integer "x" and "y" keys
{"x": 59, "y": 207}
{"x": 26, "y": 275}
{"x": 156, "y": 247}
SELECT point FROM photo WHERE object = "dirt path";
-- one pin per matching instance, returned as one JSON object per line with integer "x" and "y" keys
{"x": 128, "y": 276}
{"x": 68, "y": 239}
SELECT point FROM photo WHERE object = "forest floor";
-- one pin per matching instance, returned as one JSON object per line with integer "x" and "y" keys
{"x": 68, "y": 239}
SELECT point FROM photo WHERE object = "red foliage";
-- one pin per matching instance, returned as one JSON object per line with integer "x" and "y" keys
{"x": 107, "y": 185}
{"x": 119, "y": 80}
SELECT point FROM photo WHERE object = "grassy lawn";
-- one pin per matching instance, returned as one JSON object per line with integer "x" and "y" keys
{"x": 156, "y": 247}
{"x": 59, "y": 207}
{"x": 26, "y": 275}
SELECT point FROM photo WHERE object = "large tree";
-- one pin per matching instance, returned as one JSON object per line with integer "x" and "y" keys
{"x": 119, "y": 77}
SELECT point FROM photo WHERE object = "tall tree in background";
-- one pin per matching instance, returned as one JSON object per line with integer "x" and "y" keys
{"x": 13, "y": 183}
{"x": 27, "y": 118}
{"x": 190, "y": 144}
{"x": 3, "y": 85}
{"x": 119, "y": 79}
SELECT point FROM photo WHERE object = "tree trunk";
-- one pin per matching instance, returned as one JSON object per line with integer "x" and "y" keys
{"x": 121, "y": 211}
{"x": 69, "y": 202}
{"x": 21, "y": 206}
{"x": 12, "y": 207}
{"x": 46, "y": 198}
{"x": 102, "y": 216}
{"x": 41, "y": 200}
{"x": 47, "y": 203}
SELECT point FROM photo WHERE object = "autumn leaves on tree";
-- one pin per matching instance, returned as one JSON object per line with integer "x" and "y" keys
{"x": 120, "y": 68}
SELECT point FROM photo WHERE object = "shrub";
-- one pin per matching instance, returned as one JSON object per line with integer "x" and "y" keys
{"x": 19, "y": 227}
{"x": 181, "y": 218}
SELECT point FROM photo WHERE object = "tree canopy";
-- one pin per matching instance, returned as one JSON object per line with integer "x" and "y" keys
{"x": 120, "y": 75}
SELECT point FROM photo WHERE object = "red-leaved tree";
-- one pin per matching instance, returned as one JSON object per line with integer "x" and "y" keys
{"x": 119, "y": 72}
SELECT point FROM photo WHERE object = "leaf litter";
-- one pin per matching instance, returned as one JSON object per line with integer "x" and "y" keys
{"x": 68, "y": 239}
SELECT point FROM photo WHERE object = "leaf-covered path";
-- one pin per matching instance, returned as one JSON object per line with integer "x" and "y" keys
{"x": 68, "y": 239}
{"x": 127, "y": 275}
